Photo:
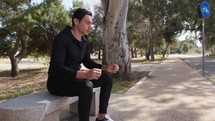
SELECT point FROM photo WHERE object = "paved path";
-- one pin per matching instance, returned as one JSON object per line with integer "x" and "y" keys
{"x": 174, "y": 92}
{"x": 196, "y": 62}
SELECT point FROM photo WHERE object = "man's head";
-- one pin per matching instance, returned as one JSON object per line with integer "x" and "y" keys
{"x": 82, "y": 20}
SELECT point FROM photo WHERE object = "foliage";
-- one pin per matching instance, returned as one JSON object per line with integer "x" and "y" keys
{"x": 29, "y": 28}
{"x": 168, "y": 19}
{"x": 50, "y": 18}
{"x": 12, "y": 27}
{"x": 37, "y": 24}
{"x": 210, "y": 27}
{"x": 95, "y": 37}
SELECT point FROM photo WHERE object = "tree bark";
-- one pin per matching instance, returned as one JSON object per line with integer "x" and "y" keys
{"x": 151, "y": 41}
{"x": 135, "y": 52}
{"x": 132, "y": 52}
{"x": 115, "y": 43}
{"x": 213, "y": 50}
{"x": 147, "y": 54}
{"x": 165, "y": 51}
{"x": 99, "y": 54}
{"x": 14, "y": 66}
{"x": 15, "y": 58}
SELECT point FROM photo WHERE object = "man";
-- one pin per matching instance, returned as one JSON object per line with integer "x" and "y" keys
{"x": 69, "y": 50}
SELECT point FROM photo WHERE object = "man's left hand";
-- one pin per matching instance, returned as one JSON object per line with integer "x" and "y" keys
{"x": 112, "y": 68}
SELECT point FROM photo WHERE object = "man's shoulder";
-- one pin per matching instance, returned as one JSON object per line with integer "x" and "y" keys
{"x": 64, "y": 34}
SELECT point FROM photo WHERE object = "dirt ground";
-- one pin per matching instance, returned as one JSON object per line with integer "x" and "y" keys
{"x": 33, "y": 76}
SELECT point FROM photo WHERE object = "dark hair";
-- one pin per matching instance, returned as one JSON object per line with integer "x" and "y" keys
{"x": 80, "y": 13}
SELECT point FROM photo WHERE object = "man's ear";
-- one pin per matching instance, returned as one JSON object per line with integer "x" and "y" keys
{"x": 76, "y": 21}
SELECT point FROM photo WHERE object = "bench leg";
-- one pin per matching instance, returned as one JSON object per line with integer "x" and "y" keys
{"x": 94, "y": 105}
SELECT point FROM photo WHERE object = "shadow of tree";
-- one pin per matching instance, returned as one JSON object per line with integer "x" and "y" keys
{"x": 6, "y": 73}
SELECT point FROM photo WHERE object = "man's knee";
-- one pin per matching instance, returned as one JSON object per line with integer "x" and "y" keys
{"x": 87, "y": 87}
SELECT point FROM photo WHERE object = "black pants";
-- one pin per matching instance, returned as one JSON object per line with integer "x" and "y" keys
{"x": 84, "y": 90}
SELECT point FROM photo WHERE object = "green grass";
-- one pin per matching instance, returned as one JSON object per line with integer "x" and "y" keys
{"x": 8, "y": 95}
{"x": 122, "y": 86}
{"x": 212, "y": 80}
{"x": 6, "y": 73}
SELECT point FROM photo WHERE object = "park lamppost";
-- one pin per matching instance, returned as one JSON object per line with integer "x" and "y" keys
{"x": 204, "y": 12}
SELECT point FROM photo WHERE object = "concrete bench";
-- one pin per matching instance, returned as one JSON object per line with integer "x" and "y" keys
{"x": 42, "y": 106}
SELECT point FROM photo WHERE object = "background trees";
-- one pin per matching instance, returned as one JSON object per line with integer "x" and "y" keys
{"x": 27, "y": 28}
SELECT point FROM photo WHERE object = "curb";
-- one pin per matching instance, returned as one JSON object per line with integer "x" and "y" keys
{"x": 132, "y": 89}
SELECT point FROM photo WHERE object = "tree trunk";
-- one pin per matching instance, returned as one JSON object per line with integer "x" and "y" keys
{"x": 213, "y": 50}
{"x": 14, "y": 59}
{"x": 115, "y": 37}
{"x": 165, "y": 51}
{"x": 99, "y": 55}
{"x": 14, "y": 66}
{"x": 132, "y": 52}
{"x": 151, "y": 41}
{"x": 135, "y": 52}
{"x": 147, "y": 54}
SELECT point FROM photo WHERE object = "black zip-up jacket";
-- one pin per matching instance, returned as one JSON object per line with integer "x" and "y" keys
{"x": 66, "y": 56}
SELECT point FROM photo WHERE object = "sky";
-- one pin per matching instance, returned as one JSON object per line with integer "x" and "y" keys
{"x": 68, "y": 3}
{"x": 189, "y": 35}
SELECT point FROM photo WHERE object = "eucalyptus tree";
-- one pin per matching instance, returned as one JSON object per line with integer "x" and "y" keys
{"x": 115, "y": 40}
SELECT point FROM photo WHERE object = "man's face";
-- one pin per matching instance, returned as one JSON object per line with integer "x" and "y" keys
{"x": 84, "y": 26}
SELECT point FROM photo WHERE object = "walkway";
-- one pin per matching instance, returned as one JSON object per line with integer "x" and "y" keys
{"x": 174, "y": 92}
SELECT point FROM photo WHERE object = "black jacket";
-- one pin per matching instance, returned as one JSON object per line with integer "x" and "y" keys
{"x": 66, "y": 56}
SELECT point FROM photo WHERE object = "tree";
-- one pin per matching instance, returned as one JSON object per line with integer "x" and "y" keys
{"x": 29, "y": 27}
{"x": 115, "y": 43}
{"x": 14, "y": 29}
{"x": 137, "y": 28}
{"x": 95, "y": 37}
{"x": 50, "y": 18}
{"x": 150, "y": 13}
{"x": 209, "y": 30}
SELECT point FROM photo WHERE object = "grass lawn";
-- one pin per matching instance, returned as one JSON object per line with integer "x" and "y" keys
{"x": 33, "y": 79}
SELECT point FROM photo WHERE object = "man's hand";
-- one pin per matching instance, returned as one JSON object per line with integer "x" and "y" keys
{"x": 90, "y": 74}
{"x": 112, "y": 68}
{"x": 94, "y": 73}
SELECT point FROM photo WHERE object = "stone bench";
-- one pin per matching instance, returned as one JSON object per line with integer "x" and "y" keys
{"x": 42, "y": 106}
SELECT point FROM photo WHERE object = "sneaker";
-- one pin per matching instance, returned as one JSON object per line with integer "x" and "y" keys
{"x": 107, "y": 118}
